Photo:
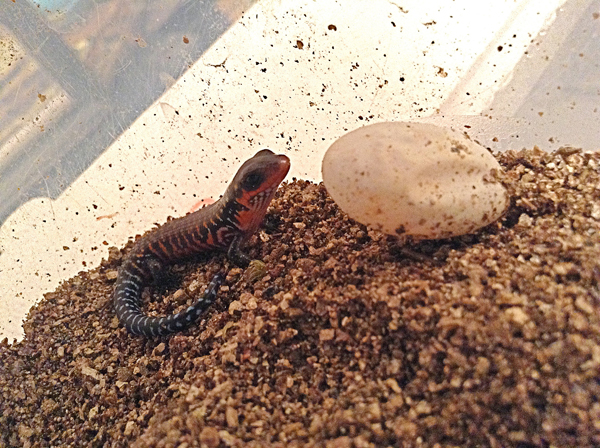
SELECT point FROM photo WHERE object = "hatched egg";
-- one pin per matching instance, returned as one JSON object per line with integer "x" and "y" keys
{"x": 414, "y": 178}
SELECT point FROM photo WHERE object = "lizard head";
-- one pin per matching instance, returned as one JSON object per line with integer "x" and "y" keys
{"x": 254, "y": 185}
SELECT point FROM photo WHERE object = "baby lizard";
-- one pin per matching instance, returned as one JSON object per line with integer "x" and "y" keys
{"x": 223, "y": 225}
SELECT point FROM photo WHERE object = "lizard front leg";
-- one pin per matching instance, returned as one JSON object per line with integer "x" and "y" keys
{"x": 256, "y": 269}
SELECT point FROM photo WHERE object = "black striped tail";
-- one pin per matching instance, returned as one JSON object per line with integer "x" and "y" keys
{"x": 127, "y": 302}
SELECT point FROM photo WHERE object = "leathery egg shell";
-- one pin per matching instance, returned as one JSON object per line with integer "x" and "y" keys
{"x": 414, "y": 178}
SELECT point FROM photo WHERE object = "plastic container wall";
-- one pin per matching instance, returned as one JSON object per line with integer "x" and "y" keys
{"x": 112, "y": 119}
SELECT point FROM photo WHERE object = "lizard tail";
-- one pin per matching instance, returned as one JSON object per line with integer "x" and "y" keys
{"x": 128, "y": 307}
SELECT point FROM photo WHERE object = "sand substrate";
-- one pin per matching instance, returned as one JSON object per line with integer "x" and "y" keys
{"x": 350, "y": 340}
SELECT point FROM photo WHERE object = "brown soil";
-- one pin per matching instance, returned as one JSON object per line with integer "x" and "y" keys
{"x": 350, "y": 340}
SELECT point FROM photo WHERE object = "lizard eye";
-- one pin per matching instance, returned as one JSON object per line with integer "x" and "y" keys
{"x": 252, "y": 181}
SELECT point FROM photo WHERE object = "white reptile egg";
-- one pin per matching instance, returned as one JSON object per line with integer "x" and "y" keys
{"x": 414, "y": 178}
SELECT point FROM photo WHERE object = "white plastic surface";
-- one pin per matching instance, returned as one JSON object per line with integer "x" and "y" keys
{"x": 294, "y": 76}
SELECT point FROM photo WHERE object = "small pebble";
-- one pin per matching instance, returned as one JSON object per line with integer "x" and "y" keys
{"x": 255, "y": 271}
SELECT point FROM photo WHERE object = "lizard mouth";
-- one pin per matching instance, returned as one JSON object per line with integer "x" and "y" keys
{"x": 281, "y": 169}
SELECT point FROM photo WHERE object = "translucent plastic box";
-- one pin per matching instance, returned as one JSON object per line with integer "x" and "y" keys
{"x": 115, "y": 115}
